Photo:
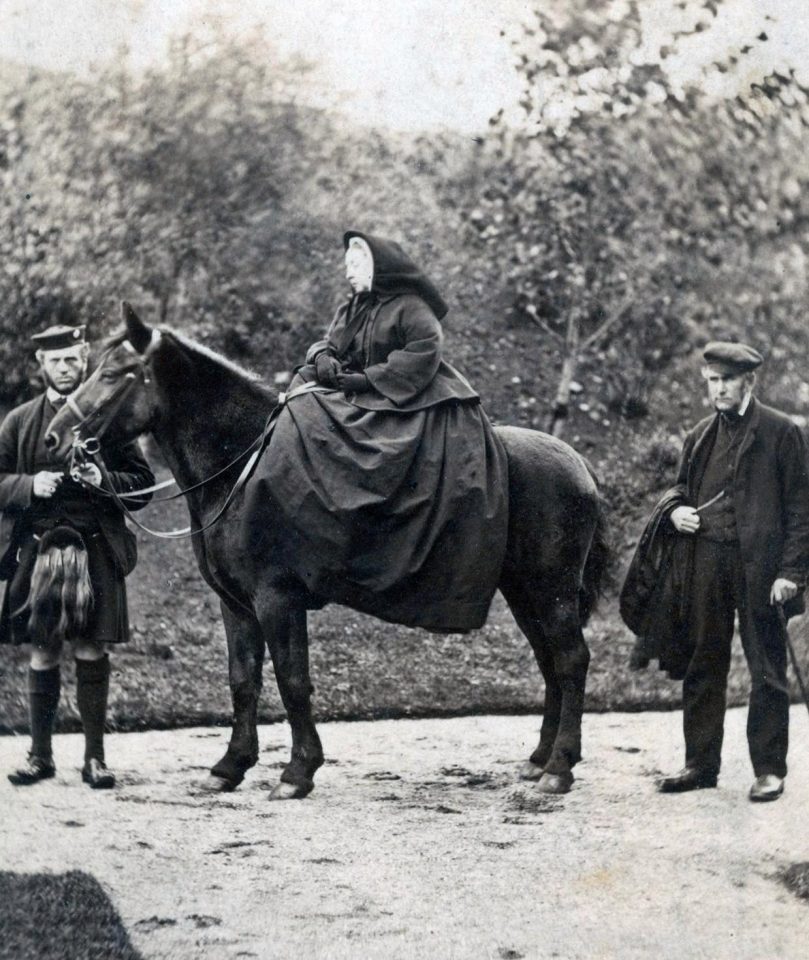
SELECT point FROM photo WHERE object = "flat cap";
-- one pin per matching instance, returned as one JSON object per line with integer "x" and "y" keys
{"x": 59, "y": 338}
{"x": 736, "y": 355}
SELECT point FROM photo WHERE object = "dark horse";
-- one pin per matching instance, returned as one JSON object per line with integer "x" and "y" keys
{"x": 203, "y": 410}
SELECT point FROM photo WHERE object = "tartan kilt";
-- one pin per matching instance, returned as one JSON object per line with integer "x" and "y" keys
{"x": 108, "y": 621}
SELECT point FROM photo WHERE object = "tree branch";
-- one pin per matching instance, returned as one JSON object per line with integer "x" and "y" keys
{"x": 608, "y": 324}
{"x": 545, "y": 328}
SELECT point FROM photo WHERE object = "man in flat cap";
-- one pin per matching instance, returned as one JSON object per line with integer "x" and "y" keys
{"x": 742, "y": 500}
{"x": 61, "y": 537}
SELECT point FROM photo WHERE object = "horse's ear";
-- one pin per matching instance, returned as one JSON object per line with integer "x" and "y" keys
{"x": 138, "y": 333}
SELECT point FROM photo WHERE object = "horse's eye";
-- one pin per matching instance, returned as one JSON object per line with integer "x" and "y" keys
{"x": 109, "y": 376}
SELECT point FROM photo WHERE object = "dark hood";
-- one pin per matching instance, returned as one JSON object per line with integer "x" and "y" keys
{"x": 395, "y": 272}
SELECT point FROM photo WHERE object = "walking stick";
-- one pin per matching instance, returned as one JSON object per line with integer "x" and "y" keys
{"x": 783, "y": 619}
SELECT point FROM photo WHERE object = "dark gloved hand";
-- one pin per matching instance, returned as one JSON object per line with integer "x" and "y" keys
{"x": 326, "y": 369}
{"x": 353, "y": 382}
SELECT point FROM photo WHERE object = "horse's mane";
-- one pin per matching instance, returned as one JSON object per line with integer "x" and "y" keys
{"x": 206, "y": 355}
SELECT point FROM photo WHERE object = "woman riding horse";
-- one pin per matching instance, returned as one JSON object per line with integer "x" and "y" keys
{"x": 388, "y": 470}
{"x": 406, "y": 473}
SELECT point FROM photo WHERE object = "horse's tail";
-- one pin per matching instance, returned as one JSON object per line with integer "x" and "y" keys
{"x": 598, "y": 562}
{"x": 61, "y": 593}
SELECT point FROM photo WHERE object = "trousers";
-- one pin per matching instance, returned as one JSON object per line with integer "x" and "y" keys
{"x": 718, "y": 592}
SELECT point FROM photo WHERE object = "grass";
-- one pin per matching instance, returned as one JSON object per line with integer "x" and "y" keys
{"x": 174, "y": 670}
{"x": 59, "y": 917}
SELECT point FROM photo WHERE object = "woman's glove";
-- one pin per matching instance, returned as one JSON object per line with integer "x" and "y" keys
{"x": 326, "y": 369}
{"x": 353, "y": 382}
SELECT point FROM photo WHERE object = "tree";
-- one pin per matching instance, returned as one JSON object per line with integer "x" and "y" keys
{"x": 637, "y": 212}
{"x": 201, "y": 191}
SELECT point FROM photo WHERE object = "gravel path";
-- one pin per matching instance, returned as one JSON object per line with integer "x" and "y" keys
{"x": 419, "y": 842}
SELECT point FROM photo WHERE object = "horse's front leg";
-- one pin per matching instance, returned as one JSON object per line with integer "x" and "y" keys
{"x": 283, "y": 620}
{"x": 245, "y": 660}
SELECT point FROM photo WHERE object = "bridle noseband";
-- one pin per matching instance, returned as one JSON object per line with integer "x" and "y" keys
{"x": 90, "y": 444}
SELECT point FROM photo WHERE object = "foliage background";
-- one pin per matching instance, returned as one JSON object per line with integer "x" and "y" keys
{"x": 588, "y": 250}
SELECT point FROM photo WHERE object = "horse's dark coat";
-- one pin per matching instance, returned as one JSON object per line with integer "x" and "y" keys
{"x": 203, "y": 410}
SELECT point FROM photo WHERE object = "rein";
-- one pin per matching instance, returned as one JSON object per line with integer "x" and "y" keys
{"x": 90, "y": 447}
{"x": 257, "y": 447}
{"x": 135, "y": 494}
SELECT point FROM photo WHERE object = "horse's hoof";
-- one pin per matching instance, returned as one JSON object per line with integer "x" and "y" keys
{"x": 531, "y": 771}
{"x": 214, "y": 784}
{"x": 290, "y": 791}
{"x": 555, "y": 782}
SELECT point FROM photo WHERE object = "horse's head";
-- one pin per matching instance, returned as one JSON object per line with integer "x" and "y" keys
{"x": 117, "y": 401}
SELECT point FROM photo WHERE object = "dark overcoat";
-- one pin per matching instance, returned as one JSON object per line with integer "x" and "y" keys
{"x": 654, "y": 597}
{"x": 19, "y": 436}
{"x": 771, "y": 505}
{"x": 770, "y": 497}
{"x": 399, "y": 348}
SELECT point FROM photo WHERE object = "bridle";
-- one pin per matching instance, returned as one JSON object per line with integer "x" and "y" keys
{"x": 92, "y": 426}
{"x": 89, "y": 445}
{"x": 88, "y": 448}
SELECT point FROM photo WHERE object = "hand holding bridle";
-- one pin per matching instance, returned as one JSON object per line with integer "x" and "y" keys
{"x": 87, "y": 472}
{"x": 46, "y": 483}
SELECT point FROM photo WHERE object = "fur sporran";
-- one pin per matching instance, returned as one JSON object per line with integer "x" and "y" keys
{"x": 61, "y": 594}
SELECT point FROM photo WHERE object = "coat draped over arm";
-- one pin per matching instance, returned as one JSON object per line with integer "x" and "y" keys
{"x": 654, "y": 598}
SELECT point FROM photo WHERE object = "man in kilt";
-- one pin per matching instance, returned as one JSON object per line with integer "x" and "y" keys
{"x": 64, "y": 552}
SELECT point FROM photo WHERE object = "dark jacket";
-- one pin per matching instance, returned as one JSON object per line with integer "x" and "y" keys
{"x": 654, "y": 596}
{"x": 770, "y": 495}
{"x": 398, "y": 347}
{"x": 19, "y": 434}
{"x": 771, "y": 505}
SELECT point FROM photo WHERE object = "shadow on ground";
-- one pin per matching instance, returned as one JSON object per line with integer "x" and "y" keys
{"x": 65, "y": 916}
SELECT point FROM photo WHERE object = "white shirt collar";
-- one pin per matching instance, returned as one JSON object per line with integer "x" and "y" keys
{"x": 54, "y": 396}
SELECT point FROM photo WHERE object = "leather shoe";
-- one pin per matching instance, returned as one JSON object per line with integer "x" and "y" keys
{"x": 96, "y": 775}
{"x": 34, "y": 769}
{"x": 689, "y": 778}
{"x": 767, "y": 787}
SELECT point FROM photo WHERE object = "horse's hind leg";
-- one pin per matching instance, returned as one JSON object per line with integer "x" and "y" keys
{"x": 245, "y": 661}
{"x": 522, "y": 610}
{"x": 571, "y": 658}
{"x": 536, "y": 764}
{"x": 284, "y": 624}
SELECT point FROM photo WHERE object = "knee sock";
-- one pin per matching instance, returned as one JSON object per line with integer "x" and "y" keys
{"x": 92, "y": 688}
{"x": 43, "y": 698}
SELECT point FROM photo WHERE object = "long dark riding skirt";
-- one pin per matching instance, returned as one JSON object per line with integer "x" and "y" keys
{"x": 399, "y": 514}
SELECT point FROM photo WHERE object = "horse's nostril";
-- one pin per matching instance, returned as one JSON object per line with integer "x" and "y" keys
{"x": 51, "y": 441}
